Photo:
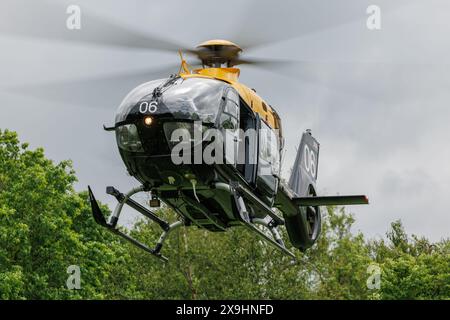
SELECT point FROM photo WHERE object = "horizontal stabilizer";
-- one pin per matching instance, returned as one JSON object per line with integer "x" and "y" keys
{"x": 331, "y": 200}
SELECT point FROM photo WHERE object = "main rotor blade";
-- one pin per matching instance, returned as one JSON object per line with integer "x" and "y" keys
{"x": 43, "y": 19}
{"x": 108, "y": 91}
{"x": 269, "y": 63}
{"x": 95, "y": 92}
{"x": 300, "y": 18}
{"x": 367, "y": 80}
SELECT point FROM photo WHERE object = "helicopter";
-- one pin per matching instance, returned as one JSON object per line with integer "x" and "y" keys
{"x": 243, "y": 187}
{"x": 154, "y": 119}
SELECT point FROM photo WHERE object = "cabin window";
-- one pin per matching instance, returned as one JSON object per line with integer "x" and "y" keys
{"x": 269, "y": 154}
{"x": 233, "y": 96}
{"x": 229, "y": 121}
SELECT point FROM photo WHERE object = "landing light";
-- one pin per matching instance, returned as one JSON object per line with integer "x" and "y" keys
{"x": 148, "y": 121}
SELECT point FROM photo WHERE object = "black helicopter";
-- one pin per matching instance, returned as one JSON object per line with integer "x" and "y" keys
{"x": 215, "y": 195}
{"x": 246, "y": 189}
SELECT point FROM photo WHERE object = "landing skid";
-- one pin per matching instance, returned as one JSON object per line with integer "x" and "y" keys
{"x": 112, "y": 224}
{"x": 270, "y": 222}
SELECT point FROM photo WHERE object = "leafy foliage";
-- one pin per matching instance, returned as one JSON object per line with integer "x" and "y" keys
{"x": 45, "y": 226}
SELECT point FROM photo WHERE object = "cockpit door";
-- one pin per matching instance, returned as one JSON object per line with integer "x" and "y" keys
{"x": 229, "y": 123}
{"x": 268, "y": 161}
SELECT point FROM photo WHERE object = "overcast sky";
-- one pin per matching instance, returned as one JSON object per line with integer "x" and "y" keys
{"x": 376, "y": 100}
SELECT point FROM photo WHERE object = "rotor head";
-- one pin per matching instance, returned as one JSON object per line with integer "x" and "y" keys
{"x": 216, "y": 53}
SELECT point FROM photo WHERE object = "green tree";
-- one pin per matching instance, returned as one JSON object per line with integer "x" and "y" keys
{"x": 45, "y": 226}
{"x": 412, "y": 268}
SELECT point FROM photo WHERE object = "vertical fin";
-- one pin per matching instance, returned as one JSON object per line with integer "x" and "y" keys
{"x": 304, "y": 171}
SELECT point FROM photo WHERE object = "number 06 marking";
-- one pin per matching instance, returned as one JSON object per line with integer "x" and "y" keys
{"x": 151, "y": 107}
{"x": 310, "y": 161}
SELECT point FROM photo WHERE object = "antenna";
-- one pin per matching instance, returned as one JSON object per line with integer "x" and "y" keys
{"x": 184, "y": 66}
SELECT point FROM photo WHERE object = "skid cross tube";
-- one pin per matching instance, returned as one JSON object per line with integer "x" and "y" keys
{"x": 164, "y": 235}
{"x": 235, "y": 190}
{"x": 269, "y": 225}
{"x": 269, "y": 240}
{"x": 126, "y": 199}
{"x": 112, "y": 224}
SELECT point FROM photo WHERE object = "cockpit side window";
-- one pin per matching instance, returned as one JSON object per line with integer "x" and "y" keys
{"x": 195, "y": 99}
{"x": 230, "y": 114}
